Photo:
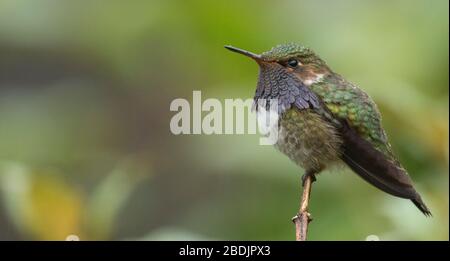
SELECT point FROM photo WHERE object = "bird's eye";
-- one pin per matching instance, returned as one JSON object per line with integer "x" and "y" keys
{"x": 292, "y": 63}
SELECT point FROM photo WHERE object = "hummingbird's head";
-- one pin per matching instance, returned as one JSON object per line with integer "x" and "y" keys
{"x": 295, "y": 59}
{"x": 285, "y": 72}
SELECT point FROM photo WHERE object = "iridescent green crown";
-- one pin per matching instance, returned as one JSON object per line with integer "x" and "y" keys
{"x": 286, "y": 51}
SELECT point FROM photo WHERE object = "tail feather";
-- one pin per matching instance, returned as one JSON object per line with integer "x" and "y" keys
{"x": 374, "y": 167}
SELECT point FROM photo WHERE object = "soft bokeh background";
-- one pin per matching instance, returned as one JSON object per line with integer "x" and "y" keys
{"x": 85, "y": 146}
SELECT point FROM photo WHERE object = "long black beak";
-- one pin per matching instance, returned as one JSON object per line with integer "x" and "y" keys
{"x": 256, "y": 57}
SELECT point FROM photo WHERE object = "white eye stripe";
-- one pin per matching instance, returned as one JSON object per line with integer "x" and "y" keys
{"x": 316, "y": 78}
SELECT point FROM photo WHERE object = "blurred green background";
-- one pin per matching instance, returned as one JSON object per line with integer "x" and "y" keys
{"x": 85, "y": 146}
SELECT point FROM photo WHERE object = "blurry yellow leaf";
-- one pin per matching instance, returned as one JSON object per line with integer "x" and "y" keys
{"x": 41, "y": 205}
{"x": 54, "y": 209}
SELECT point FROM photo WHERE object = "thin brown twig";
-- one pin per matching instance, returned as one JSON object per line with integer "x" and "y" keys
{"x": 302, "y": 219}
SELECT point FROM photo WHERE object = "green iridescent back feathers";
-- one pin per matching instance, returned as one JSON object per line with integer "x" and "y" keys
{"x": 349, "y": 103}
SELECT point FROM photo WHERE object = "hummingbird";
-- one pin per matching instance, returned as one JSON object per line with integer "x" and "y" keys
{"x": 323, "y": 119}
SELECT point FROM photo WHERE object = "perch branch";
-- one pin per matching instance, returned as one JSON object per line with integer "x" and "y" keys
{"x": 302, "y": 219}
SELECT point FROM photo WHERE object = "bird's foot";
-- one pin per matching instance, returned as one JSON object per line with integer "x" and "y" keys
{"x": 306, "y": 175}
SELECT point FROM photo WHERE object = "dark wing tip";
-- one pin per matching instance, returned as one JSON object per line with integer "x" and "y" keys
{"x": 374, "y": 167}
{"x": 421, "y": 206}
